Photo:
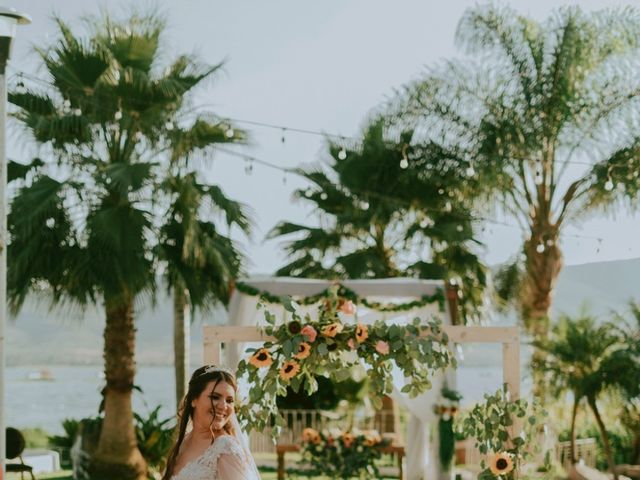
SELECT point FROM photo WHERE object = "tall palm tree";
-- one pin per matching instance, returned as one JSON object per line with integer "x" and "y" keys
{"x": 200, "y": 260}
{"x": 532, "y": 97}
{"x": 84, "y": 223}
{"x": 586, "y": 359}
{"x": 382, "y": 216}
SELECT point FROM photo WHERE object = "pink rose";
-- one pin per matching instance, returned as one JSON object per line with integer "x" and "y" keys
{"x": 382, "y": 347}
{"x": 309, "y": 332}
{"x": 348, "y": 308}
{"x": 352, "y": 344}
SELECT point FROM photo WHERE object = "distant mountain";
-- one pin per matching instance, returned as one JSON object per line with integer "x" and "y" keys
{"x": 67, "y": 336}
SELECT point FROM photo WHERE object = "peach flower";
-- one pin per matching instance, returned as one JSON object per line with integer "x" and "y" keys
{"x": 382, "y": 347}
{"x": 309, "y": 332}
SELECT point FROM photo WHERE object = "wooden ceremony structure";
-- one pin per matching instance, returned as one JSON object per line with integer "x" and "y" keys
{"x": 509, "y": 337}
{"x": 243, "y": 314}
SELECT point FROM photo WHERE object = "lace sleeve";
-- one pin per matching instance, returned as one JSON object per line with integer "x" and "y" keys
{"x": 232, "y": 464}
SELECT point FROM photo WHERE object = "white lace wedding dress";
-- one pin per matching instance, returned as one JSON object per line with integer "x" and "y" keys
{"x": 225, "y": 459}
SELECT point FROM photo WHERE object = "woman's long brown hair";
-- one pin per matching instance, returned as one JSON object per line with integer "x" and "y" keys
{"x": 198, "y": 383}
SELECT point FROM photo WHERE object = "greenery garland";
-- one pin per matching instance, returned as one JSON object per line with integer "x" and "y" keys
{"x": 348, "y": 294}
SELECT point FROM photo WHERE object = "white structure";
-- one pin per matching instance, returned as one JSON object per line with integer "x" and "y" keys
{"x": 421, "y": 452}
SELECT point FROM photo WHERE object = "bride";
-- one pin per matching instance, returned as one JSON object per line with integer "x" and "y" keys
{"x": 214, "y": 448}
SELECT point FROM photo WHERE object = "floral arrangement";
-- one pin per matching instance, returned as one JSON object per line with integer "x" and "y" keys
{"x": 342, "y": 454}
{"x": 331, "y": 345}
{"x": 491, "y": 425}
{"x": 447, "y": 409}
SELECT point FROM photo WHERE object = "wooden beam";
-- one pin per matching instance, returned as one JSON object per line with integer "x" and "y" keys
{"x": 456, "y": 333}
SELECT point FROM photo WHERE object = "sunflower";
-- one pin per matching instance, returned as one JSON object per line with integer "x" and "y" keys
{"x": 309, "y": 435}
{"x": 362, "y": 332}
{"x": 348, "y": 439}
{"x": 304, "y": 350}
{"x": 261, "y": 358}
{"x": 501, "y": 464}
{"x": 294, "y": 327}
{"x": 289, "y": 370}
{"x": 332, "y": 330}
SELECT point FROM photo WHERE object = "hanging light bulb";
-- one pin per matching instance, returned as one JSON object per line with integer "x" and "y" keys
{"x": 470, "y": 171}
{"x": 138, "y": 136}
{"x": 364, "y": 205}
{"x": 447, "y": 207}
{"x": 229, "y": 133}
{"x": 324, "y": 196}
{"x": 66, "y": 105}
{"x": 342, "y": 154}
{"x": 118, "y": 115}
{"x": 404, "y": 163}
{"x": 169, "y": 125}
{"x": 538, "y": 178}
{"x": 609, "y": 185}
{"x": 460, "y": 228}
{"x": 20, "y": 88}
{"x": 540, "y": 248}
{"x": 77, "y": 112}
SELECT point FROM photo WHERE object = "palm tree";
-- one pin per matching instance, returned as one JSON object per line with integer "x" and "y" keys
{"x": 379, "y": 218}
{"x": 534, "y": 97}
{"x": 84, "y": 225}
{"x": 586, "y": 359}
{"x": 200, "y": 261}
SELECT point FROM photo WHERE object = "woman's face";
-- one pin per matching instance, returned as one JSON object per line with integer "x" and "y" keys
{"x": 215, "y": 402}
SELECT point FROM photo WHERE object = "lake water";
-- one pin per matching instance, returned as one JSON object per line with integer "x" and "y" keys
{"x": 74, "y": 392}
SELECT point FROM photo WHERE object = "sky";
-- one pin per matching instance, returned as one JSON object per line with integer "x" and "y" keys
{"x": 319, "y": 65}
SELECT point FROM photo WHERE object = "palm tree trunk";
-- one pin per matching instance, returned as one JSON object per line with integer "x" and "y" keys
{"x": 181, "y": 339}
{"x": 117, "y": 455}
{"x": 605, "y": 436}
{"x": 574, "y": 414}
{"x": 542, "y": 271}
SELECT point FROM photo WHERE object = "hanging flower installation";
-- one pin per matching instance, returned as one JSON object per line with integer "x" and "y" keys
{"x": 491, "y": 424}
{"x": 330, "y": 346}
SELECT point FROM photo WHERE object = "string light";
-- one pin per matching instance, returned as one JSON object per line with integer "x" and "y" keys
{"x": 20, "y": 87}
{"x": 118, "y": 115}
{"x": 540, "y": 248}
{"x": 169, "y": 125}
{"x": 342, "y": 154}
{"x": 77, "y": 112}
{"x": 229, "y": 133}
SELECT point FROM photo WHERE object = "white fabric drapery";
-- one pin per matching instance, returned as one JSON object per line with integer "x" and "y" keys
{"x": 421, "y": 451}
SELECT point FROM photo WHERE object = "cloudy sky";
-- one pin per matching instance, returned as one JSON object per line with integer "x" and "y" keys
{"x": 319, "y": 65}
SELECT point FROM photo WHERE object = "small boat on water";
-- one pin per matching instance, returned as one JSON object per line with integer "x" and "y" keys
{"x": 41, "y": 375}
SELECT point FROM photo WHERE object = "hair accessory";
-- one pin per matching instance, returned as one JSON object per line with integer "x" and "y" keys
{"x": 216, "y": 368}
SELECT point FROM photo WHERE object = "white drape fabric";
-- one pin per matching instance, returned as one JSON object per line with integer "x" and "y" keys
{"x": 421, "y": 452}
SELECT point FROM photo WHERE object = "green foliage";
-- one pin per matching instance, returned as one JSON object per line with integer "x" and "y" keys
{"x": 306, "y": 348}
{"x": 35, "y": 437}
{"x": 154, "y": 438}
{"x": 528, "y": 98}
{"x": 338, "y": 454}
{"x": 384, "y": 213}
{"x": 65, "y": 442}
{"x": 326, "y": 397}
{"x": 621, "y": 443}
{"x": 493, "y": 425}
